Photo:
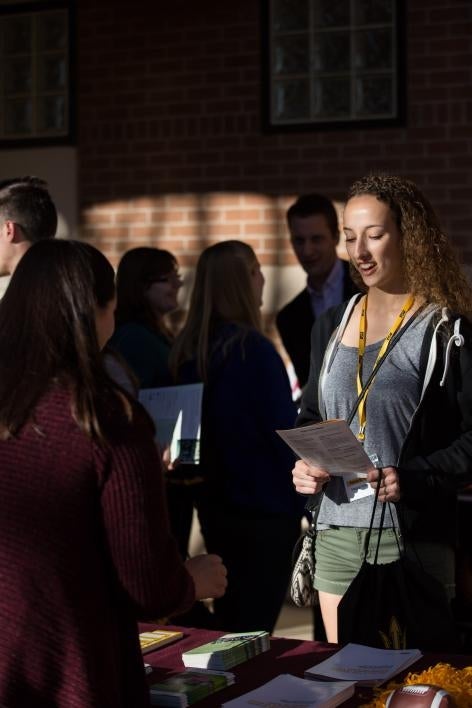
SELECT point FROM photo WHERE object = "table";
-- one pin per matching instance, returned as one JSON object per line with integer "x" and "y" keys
{"x": 289, "y": 656}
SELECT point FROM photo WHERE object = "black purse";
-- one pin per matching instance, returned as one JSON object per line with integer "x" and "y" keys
{"x": 396, "y": 605}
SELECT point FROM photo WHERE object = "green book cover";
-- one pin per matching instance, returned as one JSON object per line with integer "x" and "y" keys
{"x": 227, "y": 651}
{"x": 227, "y": 643}
{"x": 195, "y": 685}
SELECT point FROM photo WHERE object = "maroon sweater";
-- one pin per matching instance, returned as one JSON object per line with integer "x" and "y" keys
{"x": 85, "y": 551}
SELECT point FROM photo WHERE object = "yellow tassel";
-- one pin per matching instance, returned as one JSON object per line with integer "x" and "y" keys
{"x": 458, "y": 682}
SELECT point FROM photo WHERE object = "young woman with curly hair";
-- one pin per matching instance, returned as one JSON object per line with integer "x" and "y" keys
{"x": 415, "y": 422}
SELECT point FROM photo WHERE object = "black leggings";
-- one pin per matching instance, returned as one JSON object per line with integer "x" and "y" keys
{"x": 257, "y": 552}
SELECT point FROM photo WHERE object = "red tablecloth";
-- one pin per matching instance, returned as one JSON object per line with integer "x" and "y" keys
{"x": 286, "y": 656}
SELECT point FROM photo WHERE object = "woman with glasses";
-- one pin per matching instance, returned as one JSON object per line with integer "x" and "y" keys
{"x": 148, "y": 283}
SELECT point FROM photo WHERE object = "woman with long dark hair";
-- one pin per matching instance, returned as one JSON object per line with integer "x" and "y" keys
{"x": 147, "y": 283}
{"x": 85, "y": 547}
{"x": 137, "y": 355}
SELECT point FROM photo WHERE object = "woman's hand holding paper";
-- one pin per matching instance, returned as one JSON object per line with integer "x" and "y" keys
{"x": 308, "y": 479}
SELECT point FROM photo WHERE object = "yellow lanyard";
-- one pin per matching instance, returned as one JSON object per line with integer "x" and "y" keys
{"x": 360, "y": 356}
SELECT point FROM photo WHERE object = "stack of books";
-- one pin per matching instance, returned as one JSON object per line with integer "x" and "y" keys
{"x": 188, "y": 687}
{"x": 227, "y": 651}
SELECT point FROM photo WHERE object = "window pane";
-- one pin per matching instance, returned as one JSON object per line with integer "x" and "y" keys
{"x": 373, "y": 49}
{"x": 332, "y": 98}
{"x": 332, "y": 51}
{"x": 291, "y": 55}
{"x": 52, "y": 31}
{"x": 333, "y": 61}
{"x": 332, "y": 13}
{"x": 51, "y": 114}
{"x": 289, "y": 15}
{"x": 291, "y": 100}
{"x": 374, "y": 11}
{"x": 18, "y": 117}
{"x": 17, "y": 35}
{"x": 17, "y": 75}
{"x": 374, "y": 96}
{"x": 52, "y": 73}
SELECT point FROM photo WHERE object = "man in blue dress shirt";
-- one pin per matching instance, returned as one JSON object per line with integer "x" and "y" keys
{"x": 314, "y": 233}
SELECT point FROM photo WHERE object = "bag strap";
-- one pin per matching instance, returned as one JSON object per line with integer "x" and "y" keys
{"x": 381, "y": 525}
{"x": 379, "y": 363}
{"x": 313, "y": 502}
{"x": 372, "y": 516}
{"x": 377, "y": 490}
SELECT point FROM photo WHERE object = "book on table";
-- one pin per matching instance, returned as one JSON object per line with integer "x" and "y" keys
{"x": 187, "y": 687}
{"x": 227, "y": 651}
{"x": 150, "y": 641}
{"x": 286, "y": 690}
{"x": 364, "y": 665}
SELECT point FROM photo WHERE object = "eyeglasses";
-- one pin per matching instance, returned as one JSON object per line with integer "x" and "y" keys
{"x": 173, "y": 277}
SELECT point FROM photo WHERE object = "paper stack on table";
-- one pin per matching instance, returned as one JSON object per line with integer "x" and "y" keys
{"x": 287, "y": 690}
{"x": 227, "y": 651}
{"x": 364, "y": 665}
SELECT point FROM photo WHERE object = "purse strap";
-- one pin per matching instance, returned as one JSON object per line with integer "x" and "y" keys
{"x": 313, "y": 503}
{"x": 381, "y": 525}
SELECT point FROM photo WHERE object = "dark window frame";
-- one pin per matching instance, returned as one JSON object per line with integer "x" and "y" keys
{"x": 70, "y": 136}
{"x": 268, "y": 126}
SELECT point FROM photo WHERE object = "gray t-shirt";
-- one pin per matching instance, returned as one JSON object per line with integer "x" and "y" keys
{"x": 391, "y": 402}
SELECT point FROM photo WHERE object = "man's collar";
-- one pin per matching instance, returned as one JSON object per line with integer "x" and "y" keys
{"x": 335, "y": 276}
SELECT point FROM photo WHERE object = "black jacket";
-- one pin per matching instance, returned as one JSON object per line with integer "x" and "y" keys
{"x": 295, "y": 322}
{"x": 436, "y": 457}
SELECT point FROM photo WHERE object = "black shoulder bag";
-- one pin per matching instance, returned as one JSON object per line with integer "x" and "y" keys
{"x": 396, "y": 605}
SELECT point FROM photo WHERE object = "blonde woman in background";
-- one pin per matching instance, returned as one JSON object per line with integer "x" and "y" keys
{"x": 248, "y": 510}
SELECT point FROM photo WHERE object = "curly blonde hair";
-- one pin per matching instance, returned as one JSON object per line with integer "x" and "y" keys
{"x": 432, "y": 269}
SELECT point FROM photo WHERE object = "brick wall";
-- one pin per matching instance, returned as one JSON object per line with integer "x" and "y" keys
{"x": 170, "y": 143}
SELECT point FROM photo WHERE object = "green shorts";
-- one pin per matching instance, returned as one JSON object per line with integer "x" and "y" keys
{"x": 339, "y": 553}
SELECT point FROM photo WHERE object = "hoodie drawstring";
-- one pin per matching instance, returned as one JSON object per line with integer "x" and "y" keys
{"x": 456, "y": 339}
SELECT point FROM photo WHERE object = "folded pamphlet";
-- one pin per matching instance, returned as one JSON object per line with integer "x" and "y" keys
{"x": 176, "y": 412}
{"x": 331, "y": 445}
